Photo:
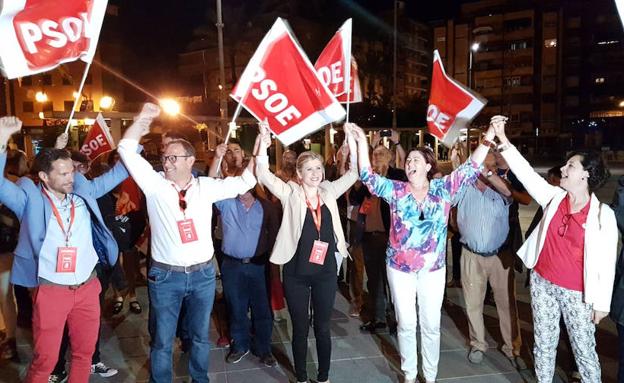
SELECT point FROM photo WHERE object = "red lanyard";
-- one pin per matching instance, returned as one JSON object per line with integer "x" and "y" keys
{"x": 316, "y": 215}
{"x": 181, "y": 197}
{"x": 57, "y": 215}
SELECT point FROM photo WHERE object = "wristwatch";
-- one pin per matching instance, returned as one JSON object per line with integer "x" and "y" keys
{"x": 489, "y": 174}
{"x": 503, "y": 147}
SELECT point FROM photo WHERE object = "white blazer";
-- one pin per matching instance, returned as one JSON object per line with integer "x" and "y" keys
{"x": 601, "y": 233}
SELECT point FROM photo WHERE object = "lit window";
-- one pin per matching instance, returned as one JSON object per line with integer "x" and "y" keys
{"x": 550, "y": 43}
{"x": 599, "y": 80}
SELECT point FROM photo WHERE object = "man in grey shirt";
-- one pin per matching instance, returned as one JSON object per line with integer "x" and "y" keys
{"x": 483, "y": 221}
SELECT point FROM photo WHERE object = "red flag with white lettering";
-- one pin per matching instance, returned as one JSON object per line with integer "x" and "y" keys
{"x": 355, "y": 94}
{"x": 39, "y": 35}
{"x": 451, "y": 105}
{"x": 281, "y": 86}
{"x": 332, "y": 65}
{"x": 98, "y": 141}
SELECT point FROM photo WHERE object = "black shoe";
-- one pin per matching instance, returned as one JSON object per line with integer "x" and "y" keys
{"x": 268, "y": 360}
{"x": 235, "y": 356}
{"x": 372, "y": 326}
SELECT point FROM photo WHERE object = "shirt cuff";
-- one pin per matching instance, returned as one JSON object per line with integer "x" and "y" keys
{"x": 248, "y": 178}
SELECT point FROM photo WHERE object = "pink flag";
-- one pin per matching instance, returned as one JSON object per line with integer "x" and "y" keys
{"x": 451, "y": 105}
{"x": 39, "y": 35}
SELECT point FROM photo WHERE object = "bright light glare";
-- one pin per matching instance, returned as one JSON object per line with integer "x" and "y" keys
{"x": 170, "y": 106}
{"x": 107, "y": 102}
{"x": 475, "y": 47}
{"x": 41, "y": 96}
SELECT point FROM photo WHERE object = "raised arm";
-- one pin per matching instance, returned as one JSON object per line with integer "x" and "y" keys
{"x": 141, "y": 170}
{"x": 541, "y": 191}
{"x": 400, "y": 152}
{"x": 376, "y": 184}
{"x": 214, "y": 167}
{"x": 342, "y": 184}
{"x": 279, "y": 188}
{"x": 11, "y": 195}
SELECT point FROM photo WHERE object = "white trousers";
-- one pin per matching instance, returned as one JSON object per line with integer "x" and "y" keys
{"x": 429, "y": 288}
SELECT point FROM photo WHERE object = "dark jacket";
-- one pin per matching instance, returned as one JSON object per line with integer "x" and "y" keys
{"x": 617, "y": 302}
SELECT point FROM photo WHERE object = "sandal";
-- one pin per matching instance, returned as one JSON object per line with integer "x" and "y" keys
{"x": 135, "y": 307}
{"x": 117, "y": 306}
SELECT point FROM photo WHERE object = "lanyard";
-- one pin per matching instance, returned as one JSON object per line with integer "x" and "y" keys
{"x": 316, "y": 215}
{"x": 57, "y": 215}
{"x": 181, "y": 197}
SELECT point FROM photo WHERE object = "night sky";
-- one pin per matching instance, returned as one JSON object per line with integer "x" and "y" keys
{"x": 156, "y": 31}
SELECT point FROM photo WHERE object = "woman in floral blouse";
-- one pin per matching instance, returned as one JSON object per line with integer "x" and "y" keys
{"x": 417, "y": 243}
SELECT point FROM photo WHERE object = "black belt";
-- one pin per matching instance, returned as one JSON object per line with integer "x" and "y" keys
{"x": 486, "y": 254}
{"x": 256, "y": 260}
{"x": 181, "y": 269}
{"x": 44, "y": 281}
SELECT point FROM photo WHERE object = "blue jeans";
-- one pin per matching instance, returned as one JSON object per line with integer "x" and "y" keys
{"x": 245, "y": 287}
{"x": 167, "y": 291}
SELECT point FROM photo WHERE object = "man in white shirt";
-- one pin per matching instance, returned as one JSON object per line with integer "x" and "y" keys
{"x": 179, "y": 206}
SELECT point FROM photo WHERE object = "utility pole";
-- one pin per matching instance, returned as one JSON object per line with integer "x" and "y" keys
{"x": 223, "y": 112}
{"x": 394, "y": 67}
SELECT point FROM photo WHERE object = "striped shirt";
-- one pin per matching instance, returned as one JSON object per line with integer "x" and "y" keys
{"x": 483, "y": 219}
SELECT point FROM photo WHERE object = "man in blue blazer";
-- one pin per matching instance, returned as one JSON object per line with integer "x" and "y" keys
{"x": 62, "y": 237}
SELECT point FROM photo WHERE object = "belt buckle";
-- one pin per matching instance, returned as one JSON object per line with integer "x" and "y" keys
{"x": 187, "y": 269}
{"x": 73, "y": 287}
{"x": 245, "y": 261}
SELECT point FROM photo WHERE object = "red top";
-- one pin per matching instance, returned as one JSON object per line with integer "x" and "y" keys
{"x": 561, "y": 259}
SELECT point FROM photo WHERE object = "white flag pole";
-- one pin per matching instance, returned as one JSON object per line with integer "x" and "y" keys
{"x": 348, "y": 69}
{"x": 78, "y": 95}
{"x": 231, "y": 128}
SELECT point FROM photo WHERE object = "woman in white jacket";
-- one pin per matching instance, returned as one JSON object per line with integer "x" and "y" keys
{"x": 572, "y": 253}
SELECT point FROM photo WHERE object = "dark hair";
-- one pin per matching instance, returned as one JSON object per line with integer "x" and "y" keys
{"x": 429, "y": 156}
{"x": 234, "y": 141}
{"x": 174, "y": 135}
{"x": 594, "y": 164}
{"x": 189, "y": 149}
{"x": 555, "y": 171}
{"x": 79, "y": 157}
{"x": 15, "y": 159}
{"x": 45, "y": 158}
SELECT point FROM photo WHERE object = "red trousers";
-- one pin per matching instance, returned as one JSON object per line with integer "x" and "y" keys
{"x": 53, "y": 306}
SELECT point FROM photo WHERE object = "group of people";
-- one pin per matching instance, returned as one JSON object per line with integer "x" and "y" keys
{"x": 389, "y": 221}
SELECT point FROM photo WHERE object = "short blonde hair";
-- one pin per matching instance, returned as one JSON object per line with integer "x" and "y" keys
{"x": 306, "y": 157}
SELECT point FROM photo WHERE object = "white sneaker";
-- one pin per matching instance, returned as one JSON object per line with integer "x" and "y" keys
{"x": 103, "y": 370}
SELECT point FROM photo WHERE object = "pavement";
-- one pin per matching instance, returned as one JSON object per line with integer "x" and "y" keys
{"x": 356, "y": 357}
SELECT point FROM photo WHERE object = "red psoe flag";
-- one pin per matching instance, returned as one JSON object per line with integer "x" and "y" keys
{"x": 451, "y": 105}
{"x": 281, "y": 86}
{"x": 98, "y": 140}
{"x": 39, "y": 35}
{"x": 333, "y": 65}
{"x": 355, "y": 94}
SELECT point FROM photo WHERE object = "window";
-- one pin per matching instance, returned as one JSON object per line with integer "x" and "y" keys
{"x": 67, "y": 105}
{"x": 512, "y": 81}
{"x": 599, "y": 80}
{"x": 550, "y": 43}
{"x": 47, "y": 106}
{"x": 46, "y": 79}
{"x": 28, "y": 107}
{"x": 516, "y": 45}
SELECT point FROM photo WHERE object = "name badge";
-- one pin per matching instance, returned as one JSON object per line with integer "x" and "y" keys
{"x": 66, "y": 259}
{"x": 187, "y": 231}
{"x": 319, "y": 250}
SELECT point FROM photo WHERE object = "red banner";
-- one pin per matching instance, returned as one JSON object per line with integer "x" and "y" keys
{"x": 355, "y": 94}
{"x": 332, "y": 65}
{"x": 281, "y": 86}
{"x": 98, "y": 140}
{"x": 38, "y": 35}
{"x": 451, "y": 105}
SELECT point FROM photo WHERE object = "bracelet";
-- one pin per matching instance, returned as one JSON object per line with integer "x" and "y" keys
{"x": 488, "y": 143}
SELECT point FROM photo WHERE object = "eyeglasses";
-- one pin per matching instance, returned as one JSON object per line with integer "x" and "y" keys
{"x": 171, "y": 158}
{"x": 564, "y": 225}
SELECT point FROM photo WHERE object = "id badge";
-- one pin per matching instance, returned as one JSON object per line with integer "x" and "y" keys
{"x": 187, "y": 231}
{"x": 319, "y": 251}
{"x": 66, "y": 259}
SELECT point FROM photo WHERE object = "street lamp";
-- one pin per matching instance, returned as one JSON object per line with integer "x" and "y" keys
{"x": 474, "y": 48}
{"x": 41, "y": 97}
{"x": 107, "y": 103}
{"x": 621, "y": 104}
{"x": 170, "y": 106}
